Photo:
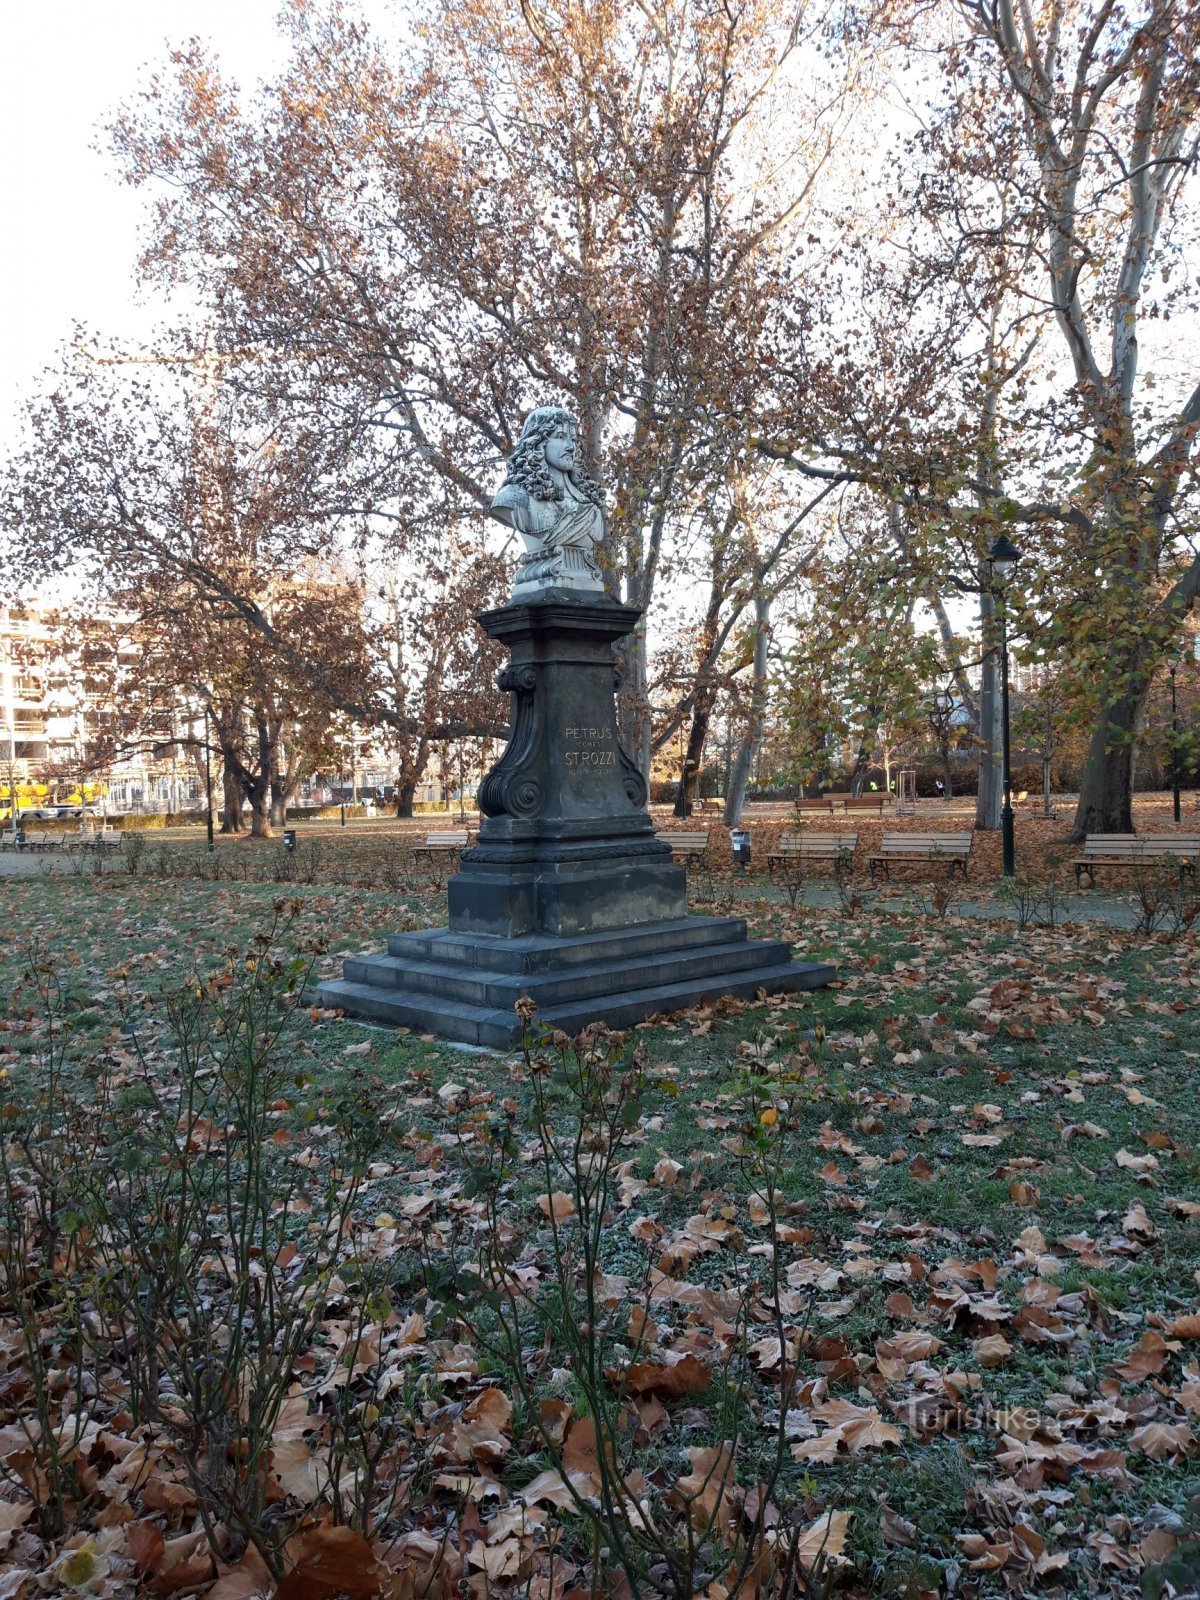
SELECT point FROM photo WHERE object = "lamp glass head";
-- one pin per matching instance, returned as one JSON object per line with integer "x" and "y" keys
{"x": 1003, "y": 557}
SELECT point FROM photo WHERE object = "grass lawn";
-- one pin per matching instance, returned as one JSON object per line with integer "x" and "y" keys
{"x": 979, "y": 1150}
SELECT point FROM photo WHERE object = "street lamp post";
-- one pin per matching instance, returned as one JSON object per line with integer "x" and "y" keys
{"x": 208, "y": 782}
{"x": 1002, "y": 561}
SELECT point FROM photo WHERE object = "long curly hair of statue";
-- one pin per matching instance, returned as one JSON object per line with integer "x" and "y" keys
{"x": 527, "y": 467}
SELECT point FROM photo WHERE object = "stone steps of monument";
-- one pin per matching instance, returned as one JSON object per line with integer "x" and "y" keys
{"x": 500, "y": 1028}
{"x": 545, "y": 952}
{"x": 501, "y": 990}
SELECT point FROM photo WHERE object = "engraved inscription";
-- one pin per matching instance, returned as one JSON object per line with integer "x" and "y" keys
{"x": 592, "y": 750}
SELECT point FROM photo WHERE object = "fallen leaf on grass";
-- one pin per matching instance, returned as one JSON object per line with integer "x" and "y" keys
{"x": 991, "y": 1351}
{"x": 479, "y": 1434}
{"x": 496, "y": 1561}
{"x": 146, "y": 1546}
{"x": 982, "y": 1556}
{"x": 327, "y": 1561}
{"x": 854, "y": 1427}
{"x": 244, "y": 1581}
{"x": 707, "y": 1492}
{"x": 688, "y": 1376}
{"x": 1158, "y": 1440}
{"x": 1145, "y": 1360}
{"x": 14, "y": 1515}
{"x": 824, "y": 1540}
{"x": 1137, "y": 1223}
{"x": 295, "y": 1466}
{"x": 560, "y": 1206}
{"x": 908, "y": 1346}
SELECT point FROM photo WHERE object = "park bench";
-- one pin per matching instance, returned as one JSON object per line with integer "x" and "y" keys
{"x": 798, "y": 849}
{"x": 687, "y": 846}
{"x": 952, "y": 848}
{"x": 831, "y": 804}
{"x": 1132, "y": 850}
{"x": 689, "y": 849}
{"x": 12, "y": 839}
{"x": 442, "y": 843}
{"x": 98, "y": 839}
{"x": 865, "y": 802}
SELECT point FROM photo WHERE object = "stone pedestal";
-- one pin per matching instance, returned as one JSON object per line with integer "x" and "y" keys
{"x": 568, "y": 897}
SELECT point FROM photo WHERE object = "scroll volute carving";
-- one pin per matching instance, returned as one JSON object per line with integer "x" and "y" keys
{"x": 511, "y": 788}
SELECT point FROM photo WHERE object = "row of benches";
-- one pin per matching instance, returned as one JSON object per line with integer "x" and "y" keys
{"x": 838, "y": 849}
{"x": 953, "y": 850}
{"x": 64, "y": 842}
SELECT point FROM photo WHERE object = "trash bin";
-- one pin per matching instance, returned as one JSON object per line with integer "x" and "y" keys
{"x": 289, "y": 838}
{"x": 739, "y": 838}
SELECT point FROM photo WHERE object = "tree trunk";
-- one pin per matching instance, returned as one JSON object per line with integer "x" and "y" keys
{"x": 279, "y": 807}
{"x": 689, "y": 780}
{"x": 743, "y": 762}
{"x": 953, "y": 648}
{"x": 260, "y": 812}
{"x": 947, "y": 775}
{"x": 991, "y": 734}
{"x": 258, "y": 785}
{"x": 231, "y": 811}
{"x": 1106, "y": 793}
{"x": 406, "y": 798}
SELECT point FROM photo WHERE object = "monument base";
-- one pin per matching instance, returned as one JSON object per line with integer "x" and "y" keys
{"x": 465, "y": 986}
{"x": 568, "y": 897}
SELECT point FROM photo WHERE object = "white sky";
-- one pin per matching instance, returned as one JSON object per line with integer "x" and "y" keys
{"x": 70, "y": 228}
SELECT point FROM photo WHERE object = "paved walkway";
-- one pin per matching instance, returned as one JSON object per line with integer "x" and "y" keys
{"x": 40, "y": 863}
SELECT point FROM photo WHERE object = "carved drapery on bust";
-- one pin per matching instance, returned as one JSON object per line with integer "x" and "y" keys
{"x": 555, "y": 507}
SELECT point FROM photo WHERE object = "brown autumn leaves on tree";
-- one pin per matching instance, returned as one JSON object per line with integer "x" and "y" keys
{"x": 1044, "y": 207}
{"x": 400, "y": 246}
{"x": 560, "y": 200}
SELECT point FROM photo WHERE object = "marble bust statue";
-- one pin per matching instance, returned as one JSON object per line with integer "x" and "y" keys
{"x": 548, "y": 498}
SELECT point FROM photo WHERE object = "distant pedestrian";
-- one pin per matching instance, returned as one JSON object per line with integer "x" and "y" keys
{"x": 941, "y": 787}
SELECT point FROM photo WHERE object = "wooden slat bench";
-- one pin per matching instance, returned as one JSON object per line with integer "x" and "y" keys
{"x": 98, "y": 839}
{"x": 831, "y": 804}
{"x": 866, "y": 802}
{"x": 442, "y": 843}
{"x": 1134, "y": 850}
{"x": 798, "y": 849}
{"x": 952, "y": 848}
{"x": 687, "y": 846}
{"x": 12, "y": 839}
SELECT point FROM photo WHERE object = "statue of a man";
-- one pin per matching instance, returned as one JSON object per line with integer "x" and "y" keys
{"x": 555, "y": 507}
